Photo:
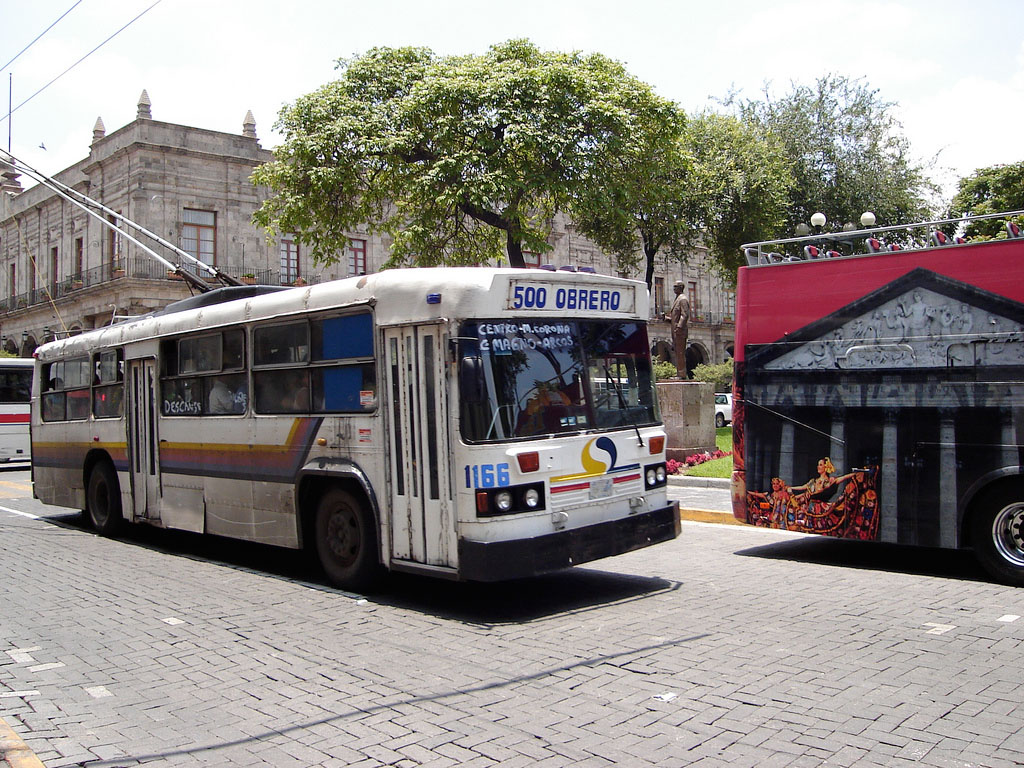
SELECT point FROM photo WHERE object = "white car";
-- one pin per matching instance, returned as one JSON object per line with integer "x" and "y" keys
{"x": 723, "y": 410}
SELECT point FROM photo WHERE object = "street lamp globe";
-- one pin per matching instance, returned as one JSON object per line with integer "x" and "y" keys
{"x": 818, "y": 219}
{"x": 867, "y": 219}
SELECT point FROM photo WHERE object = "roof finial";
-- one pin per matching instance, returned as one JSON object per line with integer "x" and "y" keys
{"x": 99, "y": 130}
{"x": 249, "y": 125}
{"x": 145, "y": 113}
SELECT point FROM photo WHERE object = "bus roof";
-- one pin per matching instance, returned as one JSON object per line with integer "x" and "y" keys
{"x": 397, "y": 295}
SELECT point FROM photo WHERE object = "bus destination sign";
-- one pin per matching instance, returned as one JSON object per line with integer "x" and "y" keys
{"x": 538, "y": 296}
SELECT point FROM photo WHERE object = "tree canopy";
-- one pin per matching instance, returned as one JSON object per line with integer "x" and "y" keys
{"x": 846, "y": 152}
{"x": 713, "y": 180}
{"x": 460, "y": 159}
{"x": 996, "y": 189}
{"x": 645, "y": 202}
{"x": 743, "y": 185}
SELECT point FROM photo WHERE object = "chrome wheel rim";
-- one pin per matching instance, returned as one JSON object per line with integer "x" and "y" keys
{"x": 1008, "y": 533}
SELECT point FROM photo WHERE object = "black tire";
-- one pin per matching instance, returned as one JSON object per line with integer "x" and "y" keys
{"x": 103, "y": 499}
{"x": 997, "y": 534}
{"x": 346, "y": 541}
{"x": 719, "y": 420}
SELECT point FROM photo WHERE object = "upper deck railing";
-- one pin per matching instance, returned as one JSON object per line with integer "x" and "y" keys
{"x": 940, "y": 233}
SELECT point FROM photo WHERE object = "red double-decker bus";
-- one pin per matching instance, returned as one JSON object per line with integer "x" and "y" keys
{"x": 879, "y": 394}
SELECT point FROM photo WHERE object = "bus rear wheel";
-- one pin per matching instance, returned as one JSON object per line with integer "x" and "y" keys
{"x": 998, "y": 535}
{"x": 103, "y": 499}
{"x": 346, "y": 540}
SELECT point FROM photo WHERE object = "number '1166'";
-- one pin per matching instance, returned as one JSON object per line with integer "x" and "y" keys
{"x": 487, "y": 475}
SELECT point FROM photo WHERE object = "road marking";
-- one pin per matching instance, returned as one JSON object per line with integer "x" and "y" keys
{"x": 98, "y": 692}
{"x": 18, "y": 512}
{"x": 172, "y": 621}
{"x": 44, "y": 667}
{"x": 938, "y": 629}
{"x": 17, "y": 694}
{"x": 1008, "y": 618}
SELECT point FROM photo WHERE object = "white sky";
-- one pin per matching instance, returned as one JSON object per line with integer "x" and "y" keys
{"x": 955, "y": 68}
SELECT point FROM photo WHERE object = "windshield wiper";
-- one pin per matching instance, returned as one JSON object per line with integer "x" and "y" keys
{"x": 622, "y": 404}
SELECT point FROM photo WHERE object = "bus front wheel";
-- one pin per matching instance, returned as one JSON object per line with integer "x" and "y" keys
{"x": 997, "y": 535}
{"x": 346, "y": 540}
{"x": 103, "y": 499}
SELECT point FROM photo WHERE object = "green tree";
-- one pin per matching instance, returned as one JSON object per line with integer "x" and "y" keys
{"x": 460, "y": 159}
{"x": 711, "y": 180}
{"x": 645, "y": 203}
{"x": 742, "y": 182}
{"x": 996, "y": 189}
{"x": 846, "y": 152}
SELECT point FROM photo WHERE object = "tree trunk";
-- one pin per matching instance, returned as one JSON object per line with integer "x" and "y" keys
{"x": 650, "y": 251}
{"x": 514, "y": 247}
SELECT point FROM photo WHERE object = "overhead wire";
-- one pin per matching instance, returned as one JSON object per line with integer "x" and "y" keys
{"x": 90, "y": 53}
{"x": 69, "y": 10}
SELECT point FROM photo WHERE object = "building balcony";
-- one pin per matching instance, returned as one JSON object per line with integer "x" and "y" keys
{"x": 132, "y": 268}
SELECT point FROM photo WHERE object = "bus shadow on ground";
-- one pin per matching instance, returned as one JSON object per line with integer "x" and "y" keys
{"x": 875, "y": 556}
{"x": 574, "y": 590}
{"x": 563, "y": 592}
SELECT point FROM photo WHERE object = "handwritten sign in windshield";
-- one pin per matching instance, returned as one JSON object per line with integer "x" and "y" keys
{"x": 504, "y": 338}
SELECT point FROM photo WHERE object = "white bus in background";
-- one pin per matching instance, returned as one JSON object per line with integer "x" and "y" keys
{"x": 466, "y": 423}
{"x": 15, "y": 397}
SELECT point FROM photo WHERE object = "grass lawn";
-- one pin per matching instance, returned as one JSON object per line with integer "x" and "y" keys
{"x": 716, "y": 467}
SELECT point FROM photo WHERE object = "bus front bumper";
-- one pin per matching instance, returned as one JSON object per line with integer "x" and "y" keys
{"x": 499, "y": 560}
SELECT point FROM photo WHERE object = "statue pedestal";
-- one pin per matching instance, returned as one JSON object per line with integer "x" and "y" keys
{"x": 688, "y": 410}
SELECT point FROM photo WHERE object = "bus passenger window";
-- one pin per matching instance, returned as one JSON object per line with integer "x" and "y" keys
{"x": 107, "y": 401}
{"x": 281, "y": 391}
{"x": 344, "y": 389}
{"x": 199, "y": 355}
{"x": 226, "y": 394}
{"x": 78, "y": 404}
{"x": 182, "y": 397}
{"x": 281, "y": 344}
{"x": 54, "y": 404}
{"x": 340, "y": 338}
{"x": 234, "y": 350}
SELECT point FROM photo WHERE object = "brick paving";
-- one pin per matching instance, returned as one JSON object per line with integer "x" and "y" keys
{"x": 730, "y": 646}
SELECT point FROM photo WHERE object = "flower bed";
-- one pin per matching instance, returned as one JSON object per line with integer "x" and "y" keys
{"x": 674, "y": 467}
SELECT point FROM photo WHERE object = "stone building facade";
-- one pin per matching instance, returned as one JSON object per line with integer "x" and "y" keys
{"x": 64, "y": 271}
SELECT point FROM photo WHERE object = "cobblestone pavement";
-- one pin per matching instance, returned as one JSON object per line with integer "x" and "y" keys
{"x": 729, "y": 646}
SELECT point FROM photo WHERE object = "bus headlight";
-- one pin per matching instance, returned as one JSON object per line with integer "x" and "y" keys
{"x": 503, "y": 501}
{"x": 509, "y": 500}
{"x": 655, "y": 476}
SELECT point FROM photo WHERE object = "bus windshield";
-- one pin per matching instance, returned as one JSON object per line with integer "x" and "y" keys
{"x": 521, "y": 379}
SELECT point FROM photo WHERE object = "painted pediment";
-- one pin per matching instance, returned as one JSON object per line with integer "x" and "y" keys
{"x": 921, "y": 320}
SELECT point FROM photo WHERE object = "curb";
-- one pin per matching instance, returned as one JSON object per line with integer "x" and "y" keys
{"x": 700, "y": 482}
{"x": 708, "y": 516}
{"x": 14, "y": 752}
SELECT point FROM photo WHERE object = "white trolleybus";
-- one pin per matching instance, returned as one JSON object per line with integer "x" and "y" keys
{"x": 470, "y": 423}
{"x": 15, "y": 395}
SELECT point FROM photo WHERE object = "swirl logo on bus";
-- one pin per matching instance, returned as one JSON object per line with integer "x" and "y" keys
{"x": 593, "y": 465}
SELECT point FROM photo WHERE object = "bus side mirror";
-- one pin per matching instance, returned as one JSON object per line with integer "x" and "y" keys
{"x": 471, "y": 380}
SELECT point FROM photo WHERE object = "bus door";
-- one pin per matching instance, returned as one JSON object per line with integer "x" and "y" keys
{"x": 143, "y": 453}
{"x": 422, "y": 515}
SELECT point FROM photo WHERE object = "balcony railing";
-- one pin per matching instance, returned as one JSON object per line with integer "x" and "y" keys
{"x": 701, "y": 318}
{"x": 132, "y": 267}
